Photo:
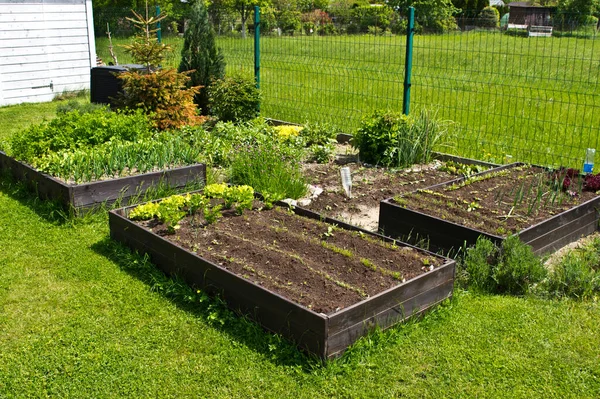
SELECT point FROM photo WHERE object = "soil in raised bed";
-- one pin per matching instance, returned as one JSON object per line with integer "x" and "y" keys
{"x": 370, "y": 185}
{"x": 499, "y": 203}
{"x": 314, "y": 264}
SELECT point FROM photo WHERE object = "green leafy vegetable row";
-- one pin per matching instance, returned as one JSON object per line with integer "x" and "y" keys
{"x": 171, "y": 210}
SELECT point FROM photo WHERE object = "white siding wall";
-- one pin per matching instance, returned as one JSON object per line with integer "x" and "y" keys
{"x": 46, "y": 48}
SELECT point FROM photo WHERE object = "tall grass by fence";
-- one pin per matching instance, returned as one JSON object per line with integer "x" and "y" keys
{"x": 510, "y": 97}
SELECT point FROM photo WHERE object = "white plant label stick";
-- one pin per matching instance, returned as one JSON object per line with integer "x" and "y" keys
{"x": 346, "y": 181}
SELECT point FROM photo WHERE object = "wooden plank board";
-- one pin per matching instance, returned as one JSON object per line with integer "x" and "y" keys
{"x": 37, "y": 84}
{"x": 40, "y": 42}
{"x": 568, "y": 238}
{"x": 560, "y": 220}
{"x": 547, "y": 236}
{"x": 89, "y": 194}
{"x": 408, "y": 225}
{"x": 65, "y": 57}
{"x": 32, "y": 50}
{"x": 36, "y": 95}
{"x": 67, "y": 31}
{"x": 49, "y": 74}
{"x": 397, "y": 295}
{"x": 8, "y": 18}
{"x": 42, "y": 25}
{"x": 25, "y": 98}
{"x": 416, "y": 305}
{"x": 54, "y": 65}
{"x": 32, "y": 7}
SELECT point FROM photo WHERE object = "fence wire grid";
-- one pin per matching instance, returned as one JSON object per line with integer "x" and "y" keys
{"x": 506, "y": 96}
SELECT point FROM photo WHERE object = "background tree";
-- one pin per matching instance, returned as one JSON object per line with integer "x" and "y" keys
{"x": 115, "y": 13}
{"x": 432, "y": 15}
{"x": 200, "y": 54}
{"x": 245, "y": 8}
{"x": 489, "y": 17}
{"x": 572, "y": 14}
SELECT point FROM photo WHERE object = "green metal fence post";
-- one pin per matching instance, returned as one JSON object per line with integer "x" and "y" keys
{"x": 410, "y": 31}
{"x": 257, "y": 48}
{"x": 158, "y": 31}
{"x": 257, "y": 45}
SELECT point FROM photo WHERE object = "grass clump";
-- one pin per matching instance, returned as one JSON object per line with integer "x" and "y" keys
{"x": 272, "y": 168}
{"x": 392, "y": 139}
{"x": 510, "y": 269}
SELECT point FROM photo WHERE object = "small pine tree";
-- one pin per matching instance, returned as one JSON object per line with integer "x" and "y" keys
{"x": 159, "y": 92}
{"x": 200, "y": 54}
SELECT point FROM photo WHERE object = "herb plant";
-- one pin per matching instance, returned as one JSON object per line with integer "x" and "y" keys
{"x": 234, "y": 98}
{"x": 272, "y": 168}
{"x": 510, "y": 269}
{"x": 391, "y": 139}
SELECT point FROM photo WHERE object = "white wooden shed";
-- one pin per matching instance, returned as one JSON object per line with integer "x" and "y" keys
{"x": 46, "y": 48}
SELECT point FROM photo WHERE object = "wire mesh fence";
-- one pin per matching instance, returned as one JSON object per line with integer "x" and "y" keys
{"x": 517, "y": 92}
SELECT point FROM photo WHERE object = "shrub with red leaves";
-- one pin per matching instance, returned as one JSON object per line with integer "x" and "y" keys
{"x": 563, "y": 176}
{"x": 592, "y": 182}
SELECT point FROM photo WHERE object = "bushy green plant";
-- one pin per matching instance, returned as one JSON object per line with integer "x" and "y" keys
{"x": 163, "y": 94}
{"x": 200, "y": 54}
{"x": 511, "y": 269}
{"x": 322, "y": 153}
{"x": 219, "y": 144}
{"x": 518, "y": 268}
{"x": 216, "y": 190}
{"x": 475, "y": 269}
{"x": 489, "y": 17}
{"x": 239, "y": 198}
{"x": 272, "y": 168}
{"x": 392, "y": 139}
{"x": 433, "y": 15}
{"x": 377, "y": 138}
{"x": 170, "y": 211}
{"x": 75, "y": 130}
{"x": 234, "y": 98}
{"x": 577, "y": 275}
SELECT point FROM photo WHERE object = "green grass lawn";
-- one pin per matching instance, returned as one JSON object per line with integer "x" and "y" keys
{"x": 81, "y": 316}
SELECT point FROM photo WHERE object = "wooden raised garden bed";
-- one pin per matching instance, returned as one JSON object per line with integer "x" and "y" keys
{"x": 272, "y": 264}
{"x": 514, "y": 199}
{"x": 91, "y": 195}
{"x": 371, "y": 185}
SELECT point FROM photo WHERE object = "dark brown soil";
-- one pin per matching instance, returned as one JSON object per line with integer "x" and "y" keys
{"x": 317, "y": 265}
{"x": 501, "y": 204}
{"x": 370, "y": 185}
